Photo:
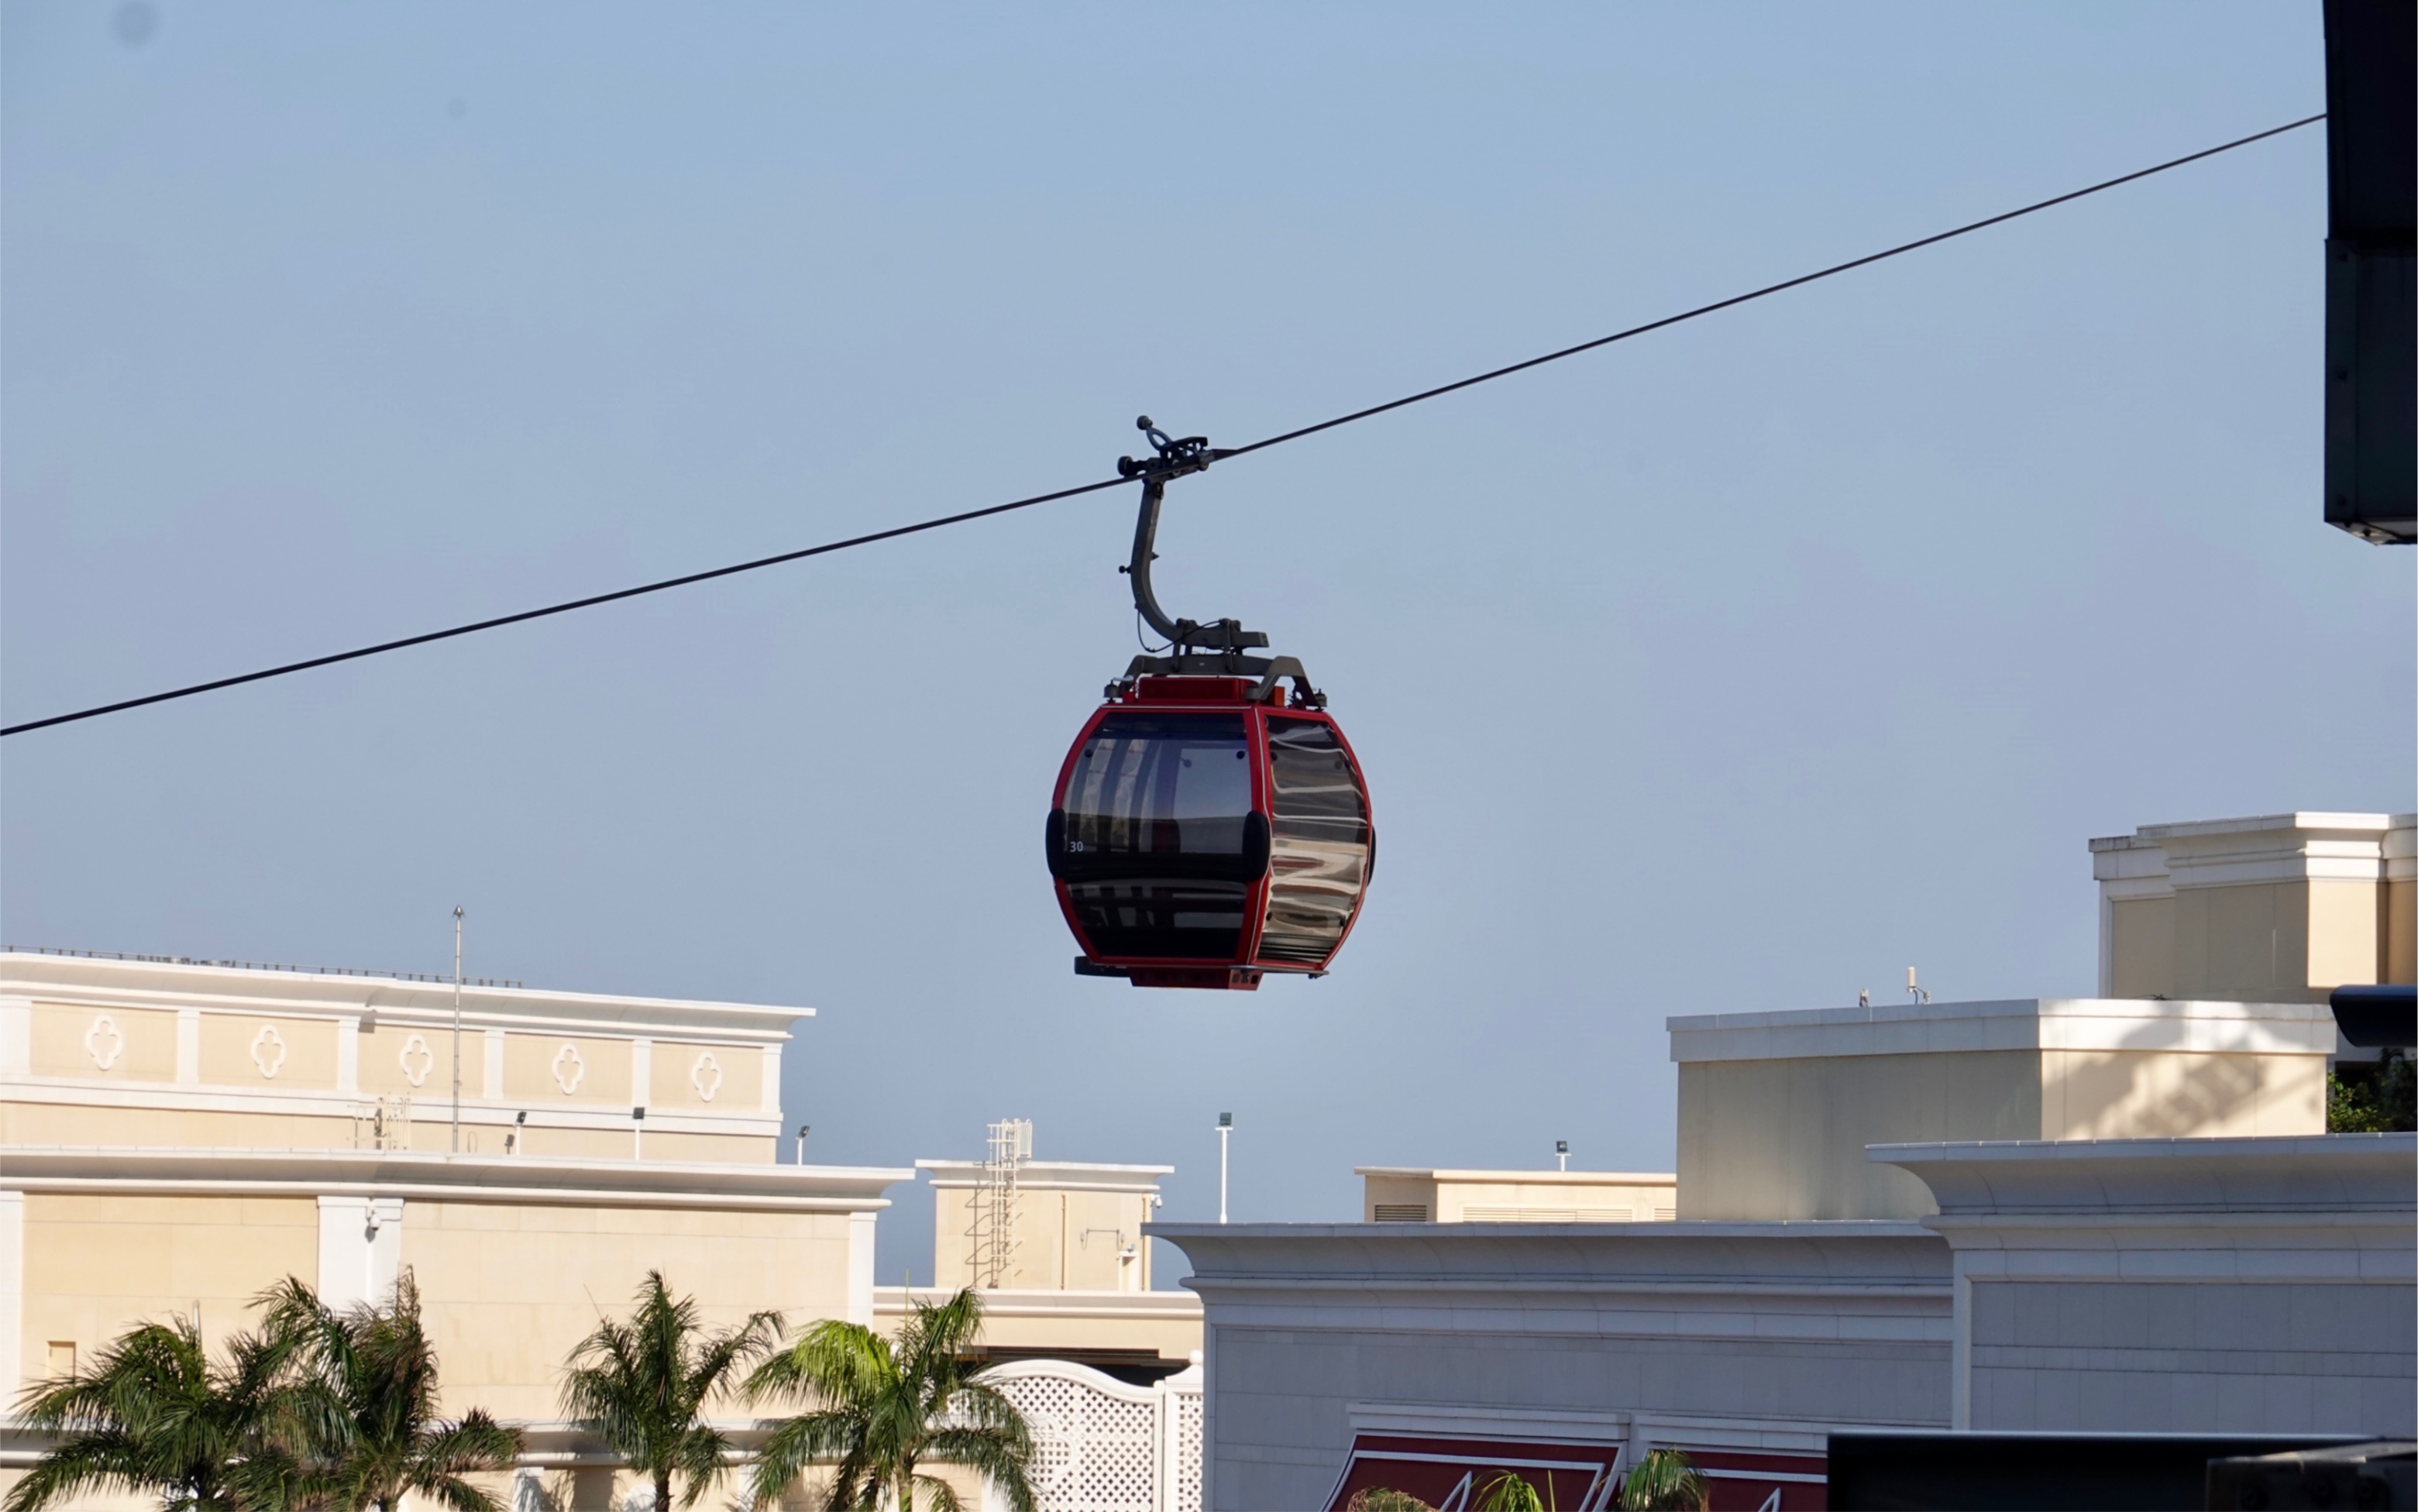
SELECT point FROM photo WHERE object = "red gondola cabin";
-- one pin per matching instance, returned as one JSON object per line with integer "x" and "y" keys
{"x": 1199, "y": 838}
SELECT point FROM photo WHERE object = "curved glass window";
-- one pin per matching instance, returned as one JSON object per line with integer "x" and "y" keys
{"x": 1153, "y": 850}
{"x": 1160, "y": 785}
{"x": 1183, "y": 918}
{"x": 1319, "y": 850}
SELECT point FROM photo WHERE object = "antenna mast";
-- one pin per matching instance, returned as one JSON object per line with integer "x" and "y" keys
{"x": 457, "y": 1029}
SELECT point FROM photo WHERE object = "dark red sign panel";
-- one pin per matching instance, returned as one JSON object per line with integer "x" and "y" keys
{"x": 1451, "y": 1474}
{"x": 1743, "y": 1481}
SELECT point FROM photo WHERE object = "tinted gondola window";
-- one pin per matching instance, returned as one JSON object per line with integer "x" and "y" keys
{"x": 1160, "y": 785}
{"x": 1319, "y": 861}
{"x": 1182, "y": 918}
{"x": 1156, "y": 808}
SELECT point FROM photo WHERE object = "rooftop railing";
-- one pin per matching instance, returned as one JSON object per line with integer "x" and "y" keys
{"x": 261, "y": 966}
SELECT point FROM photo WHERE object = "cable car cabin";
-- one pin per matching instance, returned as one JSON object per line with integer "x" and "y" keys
{"x": 1199, "y": 839}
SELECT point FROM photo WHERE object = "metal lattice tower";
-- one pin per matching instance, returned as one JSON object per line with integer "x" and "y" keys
{"x": 990, "y": 1238}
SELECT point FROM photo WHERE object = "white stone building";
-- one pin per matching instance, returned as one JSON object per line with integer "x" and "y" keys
{"x": 2109, "y": 1214}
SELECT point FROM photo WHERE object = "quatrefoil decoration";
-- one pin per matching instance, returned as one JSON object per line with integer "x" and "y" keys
{"x": 706, "y": 1076}
{"x": 268, "y": 1050}
{"x": 104, "y": 1030}
{"x": 417, "y": 1060}
{"x": 568, "y": 1069}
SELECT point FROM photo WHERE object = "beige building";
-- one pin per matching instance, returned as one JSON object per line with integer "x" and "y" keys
{"x": 1393, "y": 1194}
{"x": 2284, "y": 908}
{"x": 177, "y": 1137}
{"x": 129, "y": 1051}
{"x": 1027, "y": 1224}
{"x": 1776, "y": 1110}
{"x": 1056, "y": 1248}
{"x": 2219, "y": 941}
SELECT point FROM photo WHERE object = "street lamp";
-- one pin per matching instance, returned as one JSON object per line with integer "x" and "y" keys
{"x": 1225, "y": 1127}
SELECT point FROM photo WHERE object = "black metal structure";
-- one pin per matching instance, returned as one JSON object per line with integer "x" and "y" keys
{"x": 1945, "y": 1472}
{"x": 2371, "y": 277}
{"x": 2378, "y": 1017}
{"x": 1212, "y": 650}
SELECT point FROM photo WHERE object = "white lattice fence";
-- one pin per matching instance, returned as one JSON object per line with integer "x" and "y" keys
{"x": 1183, "y": 1475}
{"x": 1100, "y": 1445}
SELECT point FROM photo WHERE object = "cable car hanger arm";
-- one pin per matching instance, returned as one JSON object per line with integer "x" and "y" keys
{"x": 1175, "y": 459}
{"x": 1198, "y": 649}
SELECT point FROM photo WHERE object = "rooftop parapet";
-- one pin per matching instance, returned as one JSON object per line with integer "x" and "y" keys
{"x": 2276, "y": 908}
{"x": 1776, "y": 1108}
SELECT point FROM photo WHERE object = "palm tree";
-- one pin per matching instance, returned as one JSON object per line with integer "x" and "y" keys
{"x": 1510, "y": 1491}
{"x": 880, "y": 1410}
{"x": 1664, "y": 1478}
{"x": 371, "y": 1416}
{"x": 157, "y": 1415}
{"x": 642, "y": 1386}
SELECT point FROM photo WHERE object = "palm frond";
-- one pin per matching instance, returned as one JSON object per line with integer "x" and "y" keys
{"x": 982, "y": 1405}
{"x": 698, "y": 1460}
{"x": 461, "y": 1496}
{"x": 834, "y": 1361}
{"x": 1003, "y": 1456}
{"x": 944, "y": 1497}
{"x": 1510, "y": 1491}
{"x": 938, "y": 1335}
{"x": 477, "y": 1442}
{"x": 798, "y": 1442}
{"x": 1664, "y": 1477}
{"x": 98, "y": 1462}
{"x": 604, "y": 1390}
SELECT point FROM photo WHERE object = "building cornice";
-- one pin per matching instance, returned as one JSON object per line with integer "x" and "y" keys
{"x": 2158, "y": 859}
{"x": 409, "y": 1174}
{"x": 1527, "y": 1178}
{"x": 1712, "y": 1255}
{"x": 1050, "y": 1175}
{"x": 2087, "y": 1024}
{"x": 1875, "y": 1282}
{"x": 1019, "y": 1302}
{"x": 234, "y": 989}
{"x": 431, "y": 1107}
{"x": 2300, "y": 1175}
{"x": 2319, "y": 1209}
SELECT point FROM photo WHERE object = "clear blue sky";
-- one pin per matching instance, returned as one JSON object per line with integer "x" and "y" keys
{"x": 1737, "y": 668}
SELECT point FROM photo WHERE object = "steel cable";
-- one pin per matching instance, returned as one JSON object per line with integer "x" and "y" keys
{"x": 1424, "y": 394}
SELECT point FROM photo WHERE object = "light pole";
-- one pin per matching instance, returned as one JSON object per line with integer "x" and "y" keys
{"x": 1225, "y": 1127}
{"x": 1562, "y": 1152}
{"x": 457, "y": 1029}
{"x": 803, "y": 1129}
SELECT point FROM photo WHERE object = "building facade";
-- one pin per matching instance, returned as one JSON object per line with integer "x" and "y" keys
{"x": 1395, "y": 1193}
{"x": 175, "y": 1137}
{"x": 2111, "y": 1215}
{"x": 2282, "y": 908}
